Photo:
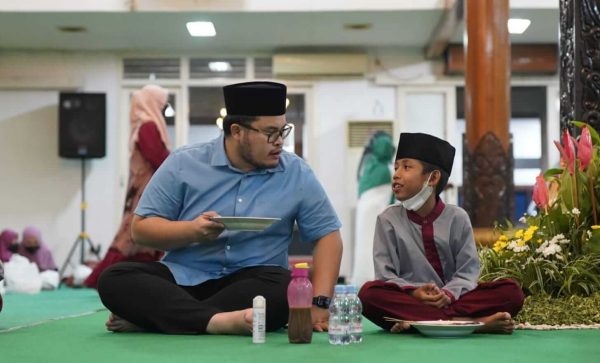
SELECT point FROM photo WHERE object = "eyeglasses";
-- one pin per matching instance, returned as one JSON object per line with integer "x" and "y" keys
{"x": 274, "y": 135}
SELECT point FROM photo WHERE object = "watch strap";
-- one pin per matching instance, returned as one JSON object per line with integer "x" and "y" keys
{"x": 321, "y": 301}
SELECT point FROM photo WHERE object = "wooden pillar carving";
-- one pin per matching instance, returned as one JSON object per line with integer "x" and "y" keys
{"x": 488, "y": 162}
{"x": 580, "y": 62}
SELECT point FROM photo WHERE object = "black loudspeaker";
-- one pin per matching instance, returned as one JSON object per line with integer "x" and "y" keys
{"x": 82, "y": 125}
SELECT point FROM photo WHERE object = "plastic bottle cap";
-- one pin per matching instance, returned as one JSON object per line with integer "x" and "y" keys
{"x": 340, "y": 289}
{"x": 258, "y": 302}
{"x": 300, "y": 270}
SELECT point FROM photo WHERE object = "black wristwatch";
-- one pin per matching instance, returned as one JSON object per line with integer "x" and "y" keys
{"x": 321, "y": 301}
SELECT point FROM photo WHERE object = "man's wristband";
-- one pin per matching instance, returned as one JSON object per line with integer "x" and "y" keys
{"x": 321, "y": 301}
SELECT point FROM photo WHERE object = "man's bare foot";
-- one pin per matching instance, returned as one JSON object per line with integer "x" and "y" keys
{"x": 117, "y": 324}
{"x": 501, "y": 323}
{"x": 400, "y": 327}
{"x": 232, "y": 322}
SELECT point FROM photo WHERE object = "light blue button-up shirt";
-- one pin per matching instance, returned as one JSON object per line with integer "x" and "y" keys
{"x": 199, "y": 178}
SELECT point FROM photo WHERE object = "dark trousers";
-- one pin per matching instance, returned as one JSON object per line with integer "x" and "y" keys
{"x": 381, "y": 299}
{"x": 146, "y": 294}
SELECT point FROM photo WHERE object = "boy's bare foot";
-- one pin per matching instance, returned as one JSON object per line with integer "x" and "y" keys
{"x": 232, "y": 322}
{"x": 400, "y": 327}
{"x": 117, "y": 324}
{"x": 501, "y": 323}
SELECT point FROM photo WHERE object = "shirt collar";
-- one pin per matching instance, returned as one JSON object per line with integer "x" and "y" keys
{"x": 219, "y": 158}
{"x": 432, "y": 216}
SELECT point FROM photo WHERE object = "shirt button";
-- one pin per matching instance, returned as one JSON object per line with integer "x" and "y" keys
{"x": 240, "y": 200}
{"x": 228, "y": 247}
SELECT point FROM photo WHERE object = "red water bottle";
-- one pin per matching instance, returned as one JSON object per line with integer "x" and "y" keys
{"x": 299, "y": 295}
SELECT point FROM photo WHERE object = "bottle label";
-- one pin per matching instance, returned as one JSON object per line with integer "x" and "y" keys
{"x": 336, "y": 330}
{"x": 258, "y": 325}
{"x": 356, "y": 328}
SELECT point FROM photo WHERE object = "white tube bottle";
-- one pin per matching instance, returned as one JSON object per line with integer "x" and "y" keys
{"x": 259, "y": 306}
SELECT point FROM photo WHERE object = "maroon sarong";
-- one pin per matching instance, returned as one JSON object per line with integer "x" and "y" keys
{"x": 380, "y": 298}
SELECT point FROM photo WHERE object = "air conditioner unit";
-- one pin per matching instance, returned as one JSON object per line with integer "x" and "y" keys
{"x": 320, "y": 65}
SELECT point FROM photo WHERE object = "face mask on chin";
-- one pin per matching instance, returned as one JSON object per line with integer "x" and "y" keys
{"x": 415, "y": 202}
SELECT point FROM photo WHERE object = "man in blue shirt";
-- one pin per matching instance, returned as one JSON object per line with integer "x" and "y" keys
{"x": 209, "y": 275}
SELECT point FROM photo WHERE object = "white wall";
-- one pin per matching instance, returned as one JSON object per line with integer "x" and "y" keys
{"x": 37, "y": 187}
{"x": 336, "y": 103}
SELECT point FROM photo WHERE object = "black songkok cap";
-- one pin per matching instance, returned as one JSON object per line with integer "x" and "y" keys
{"x": 255, "y": 99}
{"x": 426, "y": 148}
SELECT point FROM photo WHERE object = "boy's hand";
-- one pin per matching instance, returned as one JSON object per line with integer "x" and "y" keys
{"x": 441, "y": 300}
{"x": 431, "y": 295}
{"x": 423, "y": 292}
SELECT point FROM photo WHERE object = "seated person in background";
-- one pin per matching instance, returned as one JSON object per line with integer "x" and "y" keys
{"x": 9, "y": 244}
{"x": 1, "y": 284}
{"x": 426, "y": 262}
{"x": 36, "y": 250}
{"x": 208, "y": 277}
{"x": 148, "y": 148}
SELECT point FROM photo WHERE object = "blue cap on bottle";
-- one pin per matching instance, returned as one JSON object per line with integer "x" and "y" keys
{"x": 340, "y": 289}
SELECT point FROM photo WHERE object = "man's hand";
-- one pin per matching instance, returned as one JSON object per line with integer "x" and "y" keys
{"x": 320, "y": 319}
{"x": 206, "y": 228}
{"x": 431, "y": 295}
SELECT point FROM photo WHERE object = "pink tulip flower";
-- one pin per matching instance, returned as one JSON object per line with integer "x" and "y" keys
{"x": 540, "y": 192}
{"x": 569, "y": 151}
{"x": 563, "y": 156}
{"x": 584, "y": 148}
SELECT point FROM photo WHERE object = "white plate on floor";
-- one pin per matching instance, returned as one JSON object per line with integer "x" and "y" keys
{"x": 246, "y": 223}
{"x": 446, "y": 328}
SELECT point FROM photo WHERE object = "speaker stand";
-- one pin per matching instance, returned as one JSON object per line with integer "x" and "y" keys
{"x": 83, "y": 239}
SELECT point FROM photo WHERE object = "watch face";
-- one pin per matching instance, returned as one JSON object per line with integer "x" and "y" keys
{"x": 321, "y": 301}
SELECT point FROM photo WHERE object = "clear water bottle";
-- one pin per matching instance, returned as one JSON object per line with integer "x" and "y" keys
{"x": 338, "y": 317}
{"x": 355, "y": 315}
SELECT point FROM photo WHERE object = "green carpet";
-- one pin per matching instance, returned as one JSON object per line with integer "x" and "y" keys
{"x": 22, "y": 309}
{"x": 84, "y": 339}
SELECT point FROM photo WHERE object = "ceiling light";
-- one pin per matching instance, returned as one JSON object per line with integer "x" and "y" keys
{"x": 518, "y": 26}
{"x": 219, "y": 66}
{"x": 223, "y": 112}
{"x": 201, "y": 29}
{"x": 219, "y": 123}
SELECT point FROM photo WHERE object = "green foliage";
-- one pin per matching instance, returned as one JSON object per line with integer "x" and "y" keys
{"x": 542, "y": 309}
{"x": 544, "y": 276}
{"x": 557, "y": 252}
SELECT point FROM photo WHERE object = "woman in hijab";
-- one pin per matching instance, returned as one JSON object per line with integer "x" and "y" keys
{"x": 36, "y": 250}
{"x": 148, "y": 147}
{"x": 9, "y": 244}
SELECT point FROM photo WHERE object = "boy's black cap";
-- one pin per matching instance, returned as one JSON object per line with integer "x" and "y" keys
{"x": 255, "y": 99}
{"x": 428, "y": 148}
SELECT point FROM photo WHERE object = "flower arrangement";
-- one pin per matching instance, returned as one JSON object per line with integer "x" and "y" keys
{"x": 557, "y": 252}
